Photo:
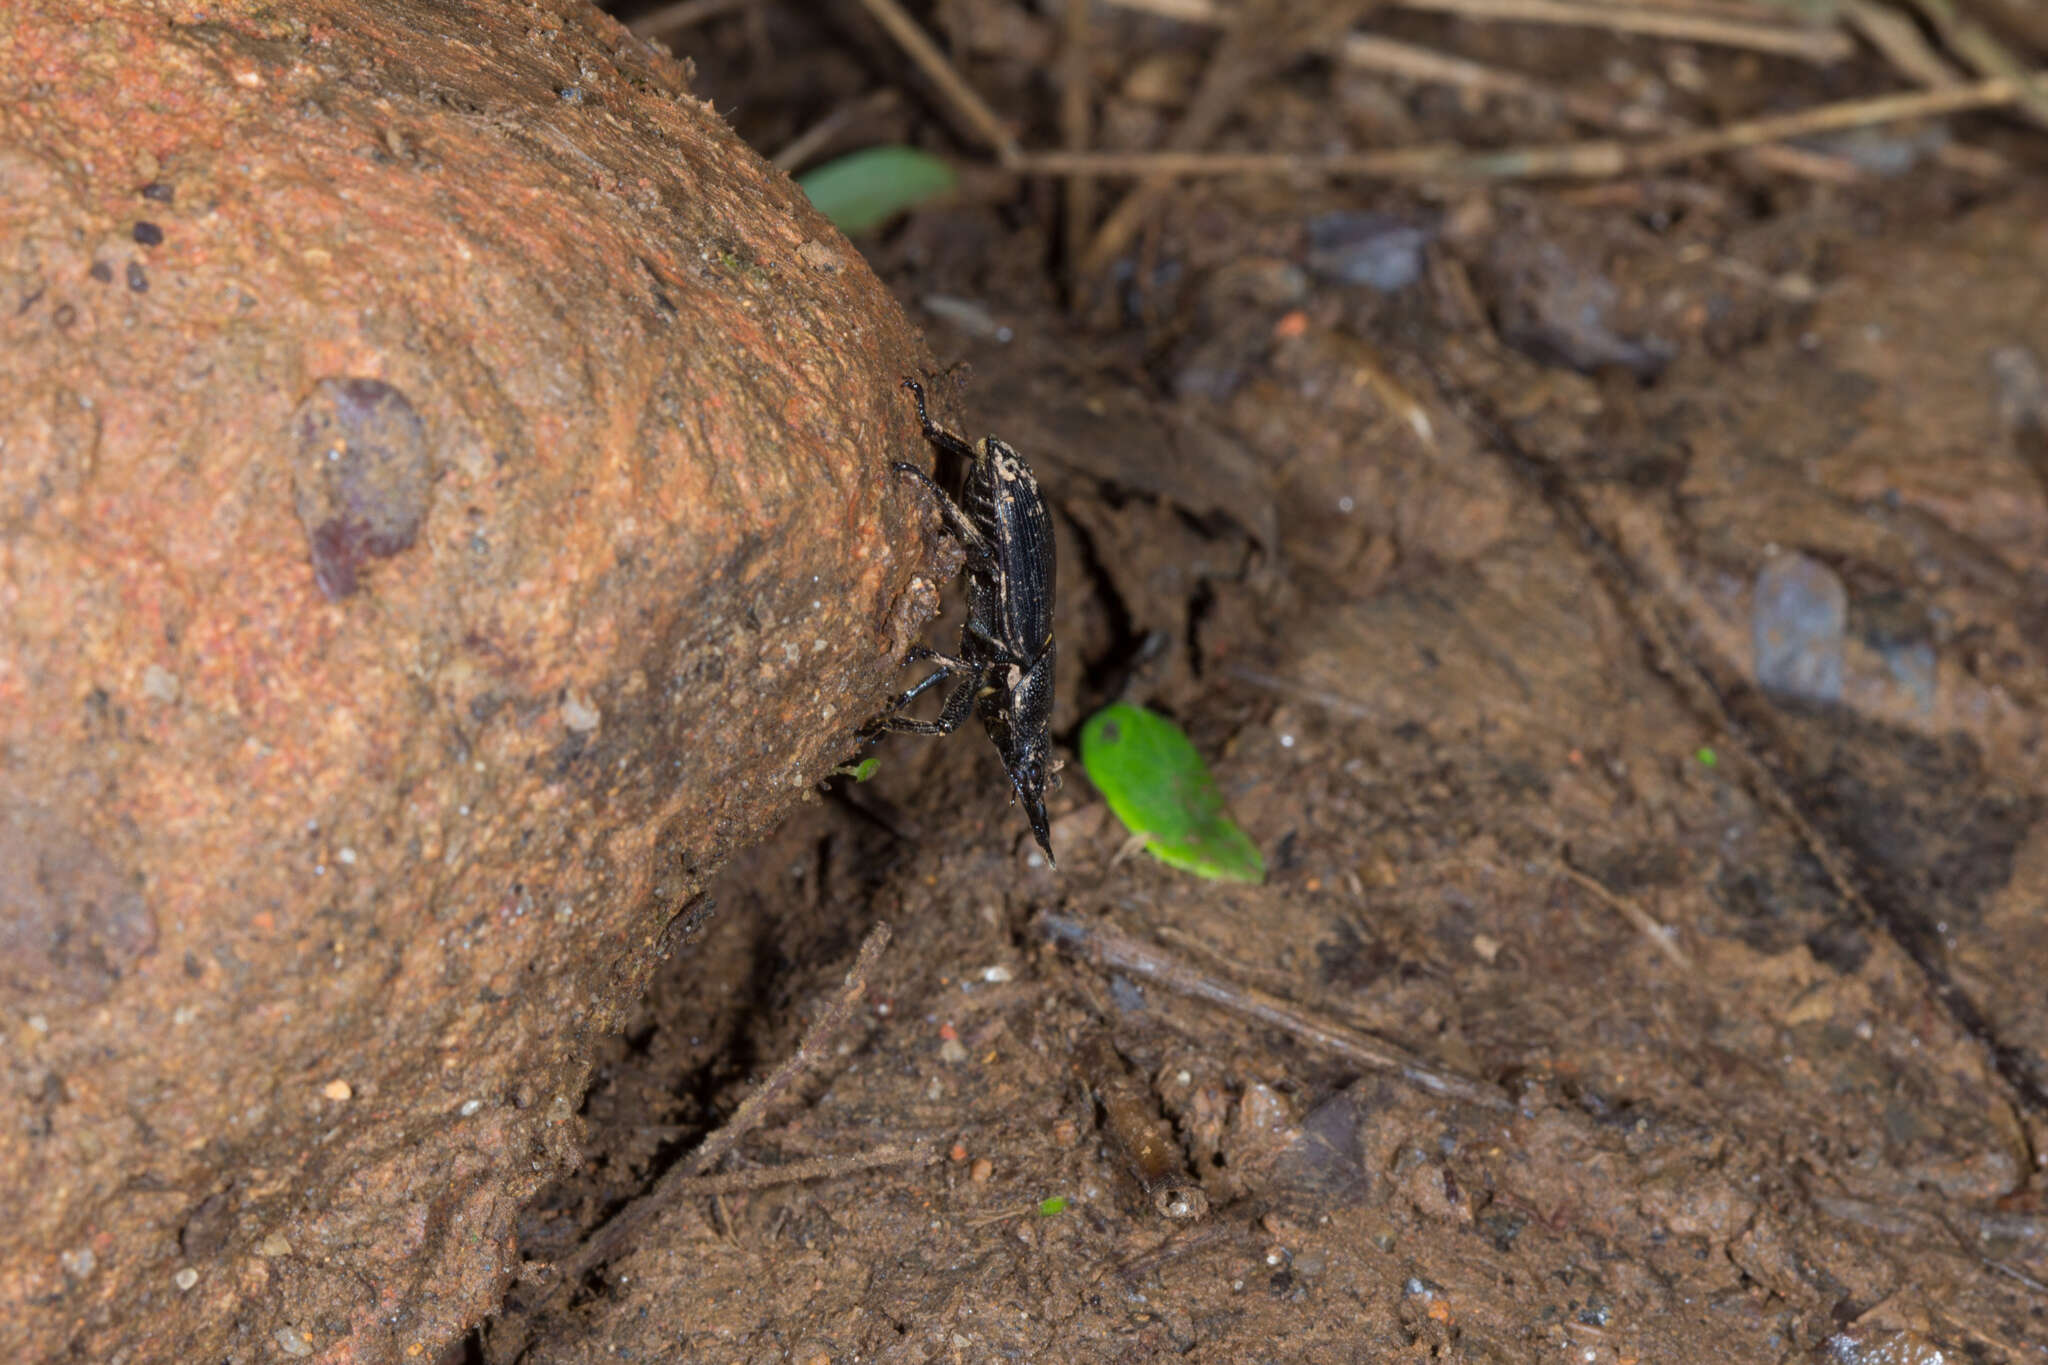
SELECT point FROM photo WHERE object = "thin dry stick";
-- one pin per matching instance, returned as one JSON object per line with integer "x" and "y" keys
{"x": 1659, "y": 935}
{"x": 814, "y": 139}
{"x": 812, "y": 1168}
{"x": 1289, "y": 687}
{"x": 1107, "y": 948}
{"x": 681, "y": 15}
{"x": 1981, "y": 49}
{"x": 1247, "y": 53}
{"x": 1076, "y": 133}
{"x": 970, "y": 105}
{"x": 1897, "y": 38}
{"x": 1223, "y": 81}
{"x": 1809, "y": 44}
{"x": 1408, "y": 61}
{"x": 1598, "y": 158}
{"x": 1367, "y": 52}
{"x": 1819, "y": 45}
{"x": 606, "y": 1241}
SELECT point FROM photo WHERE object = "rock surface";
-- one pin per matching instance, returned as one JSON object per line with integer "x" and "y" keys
{"x": 443, "y": 511}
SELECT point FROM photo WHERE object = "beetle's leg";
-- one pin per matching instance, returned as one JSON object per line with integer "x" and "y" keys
{"x": 978, "y": 552}
{"x": 946, "y": 662}
{"x": 981, "y": 632}
{"x": 936, "y": 434}
{"x": 957, "y": 707}
{"x": 948, "y": 667}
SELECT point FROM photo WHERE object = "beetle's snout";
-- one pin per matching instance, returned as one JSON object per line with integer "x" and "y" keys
{"x": 1028, "y": 778}
{"x": 1041, "y": 829}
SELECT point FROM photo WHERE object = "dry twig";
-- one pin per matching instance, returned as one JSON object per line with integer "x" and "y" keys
{"x": 686, "y": 1178}
{"x": 814, "y": 139}
{"x": 1898, "y": 39}
{"x": 1107, "y": 948}
{"x": 812, "y": 1168}
{"x": 1594, "y": 159}
{"x": 1820, "y": 45}
{"x": 809, "y": 1052}
{"x": 682, "y": 14}
{"x": 1817, "y": 45}
{"x": 1281, "y": 32}
{"x": 1409, "y": 61}
{"x": 1076, "y": 132}
{"x": 1981, "y": 49}
{"x": 965, "y": 100}
{"x": 1659, "y": 935}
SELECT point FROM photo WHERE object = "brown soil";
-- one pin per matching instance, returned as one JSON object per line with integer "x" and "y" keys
{"x": 1755, "y": 966}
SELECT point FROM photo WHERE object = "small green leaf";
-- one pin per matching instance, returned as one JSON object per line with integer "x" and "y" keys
{"x": 859, "y": 772}
{"x": 1707, "y": 757}
{"x": 1048, "y": 1207}
{"x": 1160, "y": 788}
{"x": 865, "y": 189}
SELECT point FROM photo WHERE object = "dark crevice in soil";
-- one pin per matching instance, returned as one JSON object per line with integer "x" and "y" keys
{"x": 1126, "y": 641}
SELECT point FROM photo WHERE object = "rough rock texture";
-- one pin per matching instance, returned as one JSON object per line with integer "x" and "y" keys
{"x": 443, "y": 511}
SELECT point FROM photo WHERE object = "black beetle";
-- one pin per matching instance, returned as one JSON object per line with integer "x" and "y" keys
{"x": 1006, "y": 649}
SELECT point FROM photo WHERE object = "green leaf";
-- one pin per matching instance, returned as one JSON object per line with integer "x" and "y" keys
{"x": 1160, "y": 788}
{"x": 1048, "y": 1207}
{"x": 865, "y": 189}
{"x": 859, "y": 772}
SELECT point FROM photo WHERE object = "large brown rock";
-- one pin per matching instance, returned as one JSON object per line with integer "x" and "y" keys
{"x": 443, "y": 510}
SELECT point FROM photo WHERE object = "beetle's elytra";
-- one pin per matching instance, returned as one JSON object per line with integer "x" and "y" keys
{"x": 1006, "y": 654}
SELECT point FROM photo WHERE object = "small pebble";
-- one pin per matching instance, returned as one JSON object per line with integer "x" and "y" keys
{"x": 1798, "y": 618}
{"x": 1379, "y": 252}
{"x": 958, "y": 1153}
{"x": 952, "y": 1052}
{"x": 160, "y": 684}
{"x": 185, "y": 1278}
{"x": 821, "y": 258}
{"x": 470, "y": 1107}
{"x": 292, "y": 1342}
{"x": 338, "y": 1090}
{"x": 981, "y": 1170}
{"x": 274, "y": 1246}
{"x": 579, "y": 713}
{"x": 148, "y": 234}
